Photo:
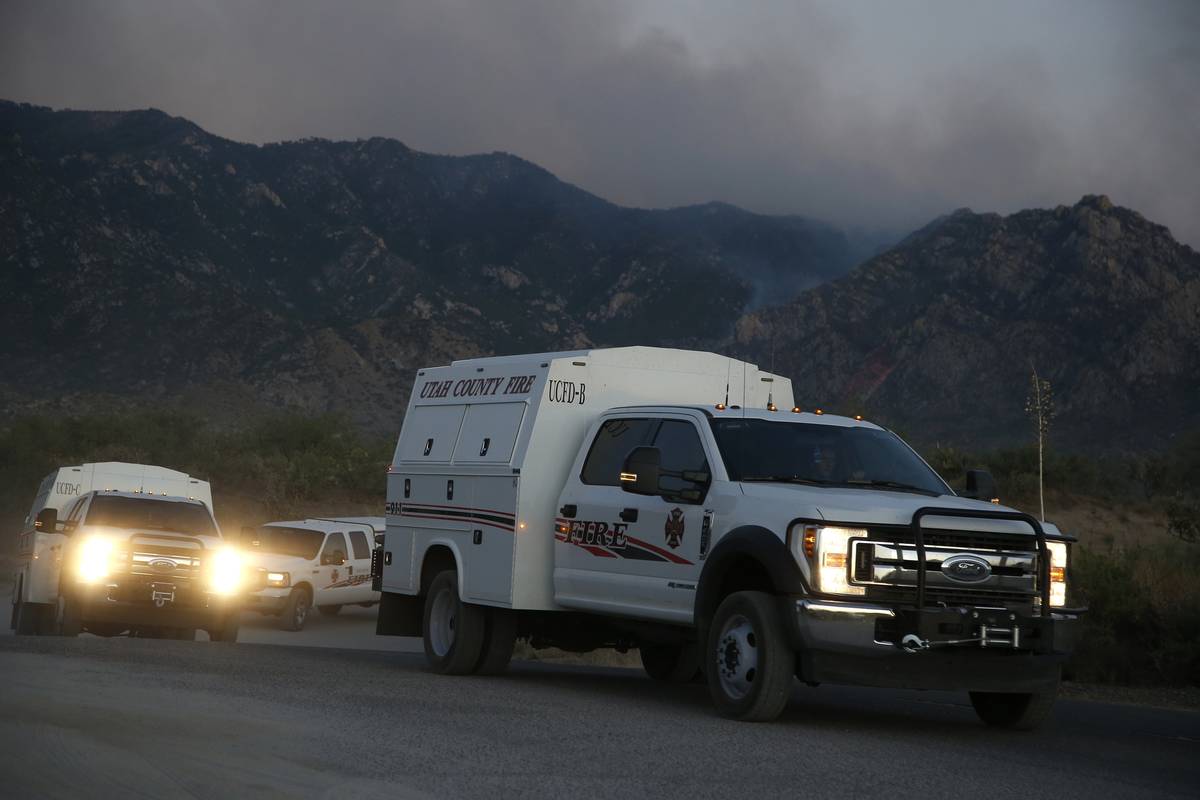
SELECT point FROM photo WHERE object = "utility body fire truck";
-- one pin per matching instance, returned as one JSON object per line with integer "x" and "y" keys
{"x": 681, "y": 503}
{"x": 111, "y": 548}
{"x": 323, "y": 562}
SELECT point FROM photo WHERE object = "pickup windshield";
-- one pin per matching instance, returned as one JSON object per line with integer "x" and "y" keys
{"x": 822, "y": 455}
{"x": 285, "y": 541}
{"x": 153, "y": 515}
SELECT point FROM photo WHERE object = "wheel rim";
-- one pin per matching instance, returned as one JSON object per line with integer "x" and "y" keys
{"x": 441, "y": 623}
{"x": 301, "y": 610}
{"x": 737, "y": 657}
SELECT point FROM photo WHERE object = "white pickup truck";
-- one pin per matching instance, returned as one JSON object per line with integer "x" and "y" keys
{"x": 323, "y": 562}
{"x": 111, "y": 548}
{"x": 681, "y": 503}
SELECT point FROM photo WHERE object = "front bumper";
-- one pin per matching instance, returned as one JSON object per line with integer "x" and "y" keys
{"x": 267, "y": 601}
{"x": 941, "y": 648}
{"x": 133, "y": 605}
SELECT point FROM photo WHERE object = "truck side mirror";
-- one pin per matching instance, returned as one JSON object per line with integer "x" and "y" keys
{"x": 46, "y": 520}
{"x": 640, "y": 473}
{"x": 981, "y": 486}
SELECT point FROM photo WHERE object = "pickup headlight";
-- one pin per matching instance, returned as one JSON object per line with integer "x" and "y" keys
{"x": 827, "y": 550}
{"x": 279, "y": 579}
{"x": 225, "y": 572}
{"x": 93, "y": 560}
{"x": 1058, "y": 573}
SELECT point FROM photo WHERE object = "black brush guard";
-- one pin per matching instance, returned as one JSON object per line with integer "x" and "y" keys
{"x": 922, "y": 627}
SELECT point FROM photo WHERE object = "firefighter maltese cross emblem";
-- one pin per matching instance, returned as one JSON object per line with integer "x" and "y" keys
{"x": 674, "y": 527}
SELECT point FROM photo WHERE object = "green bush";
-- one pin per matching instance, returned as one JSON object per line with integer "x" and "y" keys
{"x": 276, "y": 460}
{"x": 1143, "y": 620}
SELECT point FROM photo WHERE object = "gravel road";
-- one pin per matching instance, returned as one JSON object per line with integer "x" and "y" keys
{"x": 93, "y": 717}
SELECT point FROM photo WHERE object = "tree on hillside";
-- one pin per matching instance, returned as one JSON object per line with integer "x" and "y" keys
{"x": 1039, "y": 405}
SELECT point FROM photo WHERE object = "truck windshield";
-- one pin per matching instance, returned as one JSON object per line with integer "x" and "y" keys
{"x": 147, "y": 514}
{"x": 286, "y": 541}
{"x": 823, "y": 455}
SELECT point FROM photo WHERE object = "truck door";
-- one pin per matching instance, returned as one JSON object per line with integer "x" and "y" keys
{"x": 333, "y": 583}
{"x": 358, "y": 568}
{"x": 629, "y": 553}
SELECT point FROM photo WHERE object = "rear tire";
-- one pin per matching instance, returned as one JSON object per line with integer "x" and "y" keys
{"x": 1017, "y": 711}
{"x": 748, "y": 661}
{"x": 295, "y": 611}
{"x": 453, "y": 631}
{"x": 500, "y": 637}
{"x": 671, "y": 663}
{"x": 330, "y": 611}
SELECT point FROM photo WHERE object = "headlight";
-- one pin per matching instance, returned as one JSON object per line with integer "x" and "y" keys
{"x": 1058, "y": 573}
{"x": 225, "y": 574}
{"x": 279, "y": 579}
{"x": 827, "y": 550}
{"x": 94, "y": 559}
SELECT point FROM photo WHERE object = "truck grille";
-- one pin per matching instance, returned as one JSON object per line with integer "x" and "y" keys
{"x": 166, "y": 562}
{"x": 887, "y": 564}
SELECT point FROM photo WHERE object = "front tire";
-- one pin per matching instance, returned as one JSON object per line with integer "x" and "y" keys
{"x": 295, "y": 611}
{"x": 228, "y": 632}
{"x": 748, "y": 661}
{"x": 69, "y": 616}
{"x": 1017, "y": 711}
{"x": 671, "y": 663}
{"x": 453, "y": 631}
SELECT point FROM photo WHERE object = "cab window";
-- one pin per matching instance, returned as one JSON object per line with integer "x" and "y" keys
{"x": 334, "y": 551}
{"x": 684, "y": 466}
{"x": 614, "y": 441}
{"x": 358, "y": 540}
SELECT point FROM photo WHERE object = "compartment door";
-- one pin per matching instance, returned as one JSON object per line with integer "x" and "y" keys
{"x": 489, "y": 433}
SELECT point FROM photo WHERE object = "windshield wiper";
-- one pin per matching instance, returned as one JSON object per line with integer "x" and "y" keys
{"x": 897, "y": 485}
{"x": 787, "y": 479}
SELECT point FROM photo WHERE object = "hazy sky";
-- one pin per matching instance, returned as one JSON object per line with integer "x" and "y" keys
{"x": 879, "y": 114}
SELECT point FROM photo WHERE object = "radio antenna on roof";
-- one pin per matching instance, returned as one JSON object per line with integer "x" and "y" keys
{"x": 728, "y": 367}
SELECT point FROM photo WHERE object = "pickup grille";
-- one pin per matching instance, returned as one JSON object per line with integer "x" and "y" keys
{"x": 887, "y": 564}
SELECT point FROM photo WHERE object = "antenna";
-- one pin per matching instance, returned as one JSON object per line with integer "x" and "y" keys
{"x": 728, "y": 367}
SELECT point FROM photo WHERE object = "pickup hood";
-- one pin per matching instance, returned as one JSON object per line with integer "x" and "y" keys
{"x": 276, "y": 562}
{"x": 857, "y": 506}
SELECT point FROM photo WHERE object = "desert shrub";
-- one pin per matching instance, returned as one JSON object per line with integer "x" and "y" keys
{"x": 276, "y": 460}
{"x": 1143, "y": 620}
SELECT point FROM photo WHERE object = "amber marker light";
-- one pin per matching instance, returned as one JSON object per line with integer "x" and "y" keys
{"x": 858, "y": 417}
{"x": 771, "y": 407}
{"x": 720, "y": 406}
{"x": 818, "y": 411}
{"x": 810, "y": 542}
{"x": 797, "y": 409}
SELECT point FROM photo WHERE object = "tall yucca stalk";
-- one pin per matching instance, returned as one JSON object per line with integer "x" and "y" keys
{"x": 1039, "y": 405}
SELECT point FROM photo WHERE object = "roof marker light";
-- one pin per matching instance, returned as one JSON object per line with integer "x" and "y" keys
{"x": 771, "y": 407}
{"x": 818, "y": 411}
{"x": 858, "y": 417}
{"x": 720, "y": 406}
{"x": 797, "y": 410}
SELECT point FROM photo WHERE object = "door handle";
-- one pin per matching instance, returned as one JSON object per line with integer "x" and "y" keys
{"x": 629, "y": 515}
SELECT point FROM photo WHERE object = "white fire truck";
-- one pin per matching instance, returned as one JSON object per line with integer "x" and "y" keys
{"x": 681, "y": 503}
{"x": 111, "y": 548}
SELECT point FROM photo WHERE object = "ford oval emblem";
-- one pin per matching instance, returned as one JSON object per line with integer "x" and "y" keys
{"x": 966, "y": 569}
{"x": 162, "y": 565}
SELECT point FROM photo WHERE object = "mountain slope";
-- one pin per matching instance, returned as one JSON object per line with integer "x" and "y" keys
{"x": 938, "y": 335}
{"x": 144, "y": 257}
